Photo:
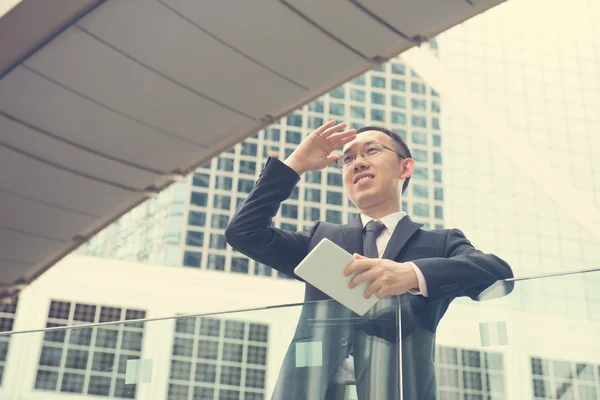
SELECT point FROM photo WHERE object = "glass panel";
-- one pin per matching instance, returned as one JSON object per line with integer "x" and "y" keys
{"x": 499, "y": 346}
{"x": 261, "y": 353}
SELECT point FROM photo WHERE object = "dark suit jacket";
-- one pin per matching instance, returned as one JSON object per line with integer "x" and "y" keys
{"x": 451, "y": 266}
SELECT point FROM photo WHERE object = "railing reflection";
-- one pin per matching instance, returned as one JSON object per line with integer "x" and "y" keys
{"x": 501, "y": 347}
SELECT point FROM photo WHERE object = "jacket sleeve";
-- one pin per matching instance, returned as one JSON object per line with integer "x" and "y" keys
{"x": 250, "y": 229}
{"x": 464, "y": 271}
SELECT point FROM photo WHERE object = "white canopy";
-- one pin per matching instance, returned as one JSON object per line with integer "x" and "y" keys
{"x": 105, "y": 103}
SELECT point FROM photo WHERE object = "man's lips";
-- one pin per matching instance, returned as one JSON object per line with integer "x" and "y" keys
{"x": 362, "y": 175}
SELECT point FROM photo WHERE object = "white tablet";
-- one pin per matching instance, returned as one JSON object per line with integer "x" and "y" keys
{"x": 323, "y": 268}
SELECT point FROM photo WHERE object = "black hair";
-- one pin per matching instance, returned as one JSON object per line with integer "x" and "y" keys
{"x": 403, "y": 149}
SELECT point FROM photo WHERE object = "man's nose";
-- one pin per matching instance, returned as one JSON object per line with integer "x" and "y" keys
{"x": 360, "y": 164}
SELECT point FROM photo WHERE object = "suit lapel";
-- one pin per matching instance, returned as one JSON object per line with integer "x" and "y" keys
{"x": 403, "y": 232}
{"x": 353, "y": 236}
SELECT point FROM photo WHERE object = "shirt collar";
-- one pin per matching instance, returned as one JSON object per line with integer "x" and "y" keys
{"x": 390, "y": 221}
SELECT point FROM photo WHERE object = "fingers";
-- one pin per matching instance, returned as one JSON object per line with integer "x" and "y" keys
{"x": 324, "y": 127}
{"x": 366, "y": 276}
{"x": 341, "y": 138}
{"x": 330, "y": 128}
{"x": 359, "y": 265}
{"x": 375, "y": 287}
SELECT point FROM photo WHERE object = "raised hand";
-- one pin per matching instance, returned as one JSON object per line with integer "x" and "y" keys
{"x": 314, "y": 153}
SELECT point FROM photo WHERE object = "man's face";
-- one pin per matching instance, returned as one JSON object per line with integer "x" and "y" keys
{"x": 375, "y": 179}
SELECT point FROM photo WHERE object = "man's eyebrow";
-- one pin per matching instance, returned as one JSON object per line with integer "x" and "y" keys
{"x": 364, "y": 144}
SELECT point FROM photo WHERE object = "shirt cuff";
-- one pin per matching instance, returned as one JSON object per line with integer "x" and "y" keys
{"x": 422, "y": 283}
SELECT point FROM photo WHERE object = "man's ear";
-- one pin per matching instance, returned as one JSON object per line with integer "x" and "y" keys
{"x": 408, "y": 168}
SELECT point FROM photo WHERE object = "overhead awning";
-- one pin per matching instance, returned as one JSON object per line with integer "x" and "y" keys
{"x": 105, "y": 103}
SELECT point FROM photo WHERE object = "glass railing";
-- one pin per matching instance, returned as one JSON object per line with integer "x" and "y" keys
{"x": 539, "y": 341}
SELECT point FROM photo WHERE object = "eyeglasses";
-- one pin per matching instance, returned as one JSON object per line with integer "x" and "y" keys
{"x": 369, "y": 151}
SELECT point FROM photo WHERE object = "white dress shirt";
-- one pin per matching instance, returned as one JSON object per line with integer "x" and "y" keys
{"x": 391, "y": 221}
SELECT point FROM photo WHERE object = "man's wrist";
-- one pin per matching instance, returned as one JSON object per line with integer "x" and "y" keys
{"x": 295, "y": 165}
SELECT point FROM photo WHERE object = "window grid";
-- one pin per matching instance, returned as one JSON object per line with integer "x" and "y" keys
{"x": 469, "y": 373}
{"x": 213, "y": 355}
{"x": 557, "y": 379}
{"x": 7, "y": 320}
{"x": 91, "y": 360}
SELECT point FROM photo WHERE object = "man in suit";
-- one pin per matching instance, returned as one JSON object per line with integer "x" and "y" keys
{"x": 416, "y": 273}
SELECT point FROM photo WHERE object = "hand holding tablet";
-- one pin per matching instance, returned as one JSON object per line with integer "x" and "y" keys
{"x": 324, "y": 268}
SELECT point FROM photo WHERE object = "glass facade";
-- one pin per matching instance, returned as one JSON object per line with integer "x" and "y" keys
{"x": 89, "y": 361}
{"x": 218, "y": 358}
{"x": 545, "y": 83}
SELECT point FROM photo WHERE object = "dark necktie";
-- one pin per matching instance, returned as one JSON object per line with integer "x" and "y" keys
{"x": 372, "y": 231}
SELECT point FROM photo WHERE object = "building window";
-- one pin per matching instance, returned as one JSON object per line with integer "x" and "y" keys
{"x": 239, "y": 264}
{"x": 338, "y": 93}
{"x": 435, "y": 106}
{"x": 336, "y": 109}
{"x": 316, "y": 106}
{"x": 223, "y": 182}
{"x": 419, "y": 138}
{"x": 289, "y": 211}
{"x": 222, "y": 202}
{"x": 358, "y": 95}
{"x": 247, "y": 167}
{"x": 294, "y": 120}
{"x": 437, "y": 175}
{"x": 225, "y": 164}
{"x": 334, "y": 179}
{"x": 313, "y": 195}
{"x": 312, "y": 214}
{"x": 421, "y": 174}
{"x": 314, "y": 122}
{"x": 378, "y": 82}
{"x": 469, "y": 374}
{"x": 195, "y": 238}
{"x": 377, "y": 115}
{"x": 418, "y": 88}
{"x": 219, "y": 221}
{"x": 7, "y": 319}
{"x": 398, "y": 69}
{"x": 334, "y": 198}
{"x": 437, "y": 140}
{"x": 398, "y": 118}
{"x": 217, "y": 241}
{"x": 359, "y": 80}
{"x": 272, "y": 134}
{"x": 357, "y": 112}
{"x": 293, "y": 137}
{"x": 420, "y": 191}
{"x": 197, "y": 218}
{"x": 218, "y": 358}
{"x": 202, "y": 180}
{"x": 199, "y": 199}
{"x": 420, "y": 155}
{"x": 419, "y": 105}
{"x": 421, "y": 210}
{"x": 294, "y": 195}
{"x": 288, "y": 227}
{"x": 192, "y": 259}
{"x": 249, "y": 149}
{"x": 439, "y": 212}
{"x": 335, "y": 217}
{"x": 313, "y": 176}
{"x": 377, "y": 98}
{"x": 419, "y": 121}
{"x": 245, "y": 185}
{"x": 435, "y": 123}
{"x": 438, "y": 194}
{"x": 398, "y": 101}
{"x": 93, "y": 360}
{"x": 216, "y": 262}
{"x": 398, "y": 84}
{"x": 437, "y": 157}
